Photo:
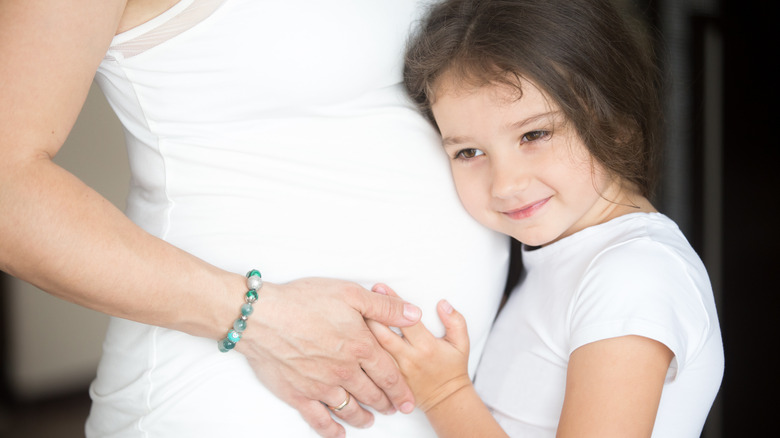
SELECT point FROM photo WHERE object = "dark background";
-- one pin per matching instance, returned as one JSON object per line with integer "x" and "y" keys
{"x": 744, "y": 252}
{"x": 752, "y": 179}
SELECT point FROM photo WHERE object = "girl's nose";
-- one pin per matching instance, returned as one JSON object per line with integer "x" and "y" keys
{"x": 508, "y": 178}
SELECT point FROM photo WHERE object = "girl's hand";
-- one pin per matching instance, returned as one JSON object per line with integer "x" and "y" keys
{"x": 435, "y": 368}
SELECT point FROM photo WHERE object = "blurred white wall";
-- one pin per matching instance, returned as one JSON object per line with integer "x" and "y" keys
{"x": 54, "y": 345}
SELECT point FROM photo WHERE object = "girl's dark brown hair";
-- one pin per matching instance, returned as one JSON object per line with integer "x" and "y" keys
{"x": 581, "y": 53}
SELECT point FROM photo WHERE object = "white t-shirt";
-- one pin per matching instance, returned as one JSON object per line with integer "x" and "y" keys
{"x": 634, "y": 275}
{"x": 276, "y": 135}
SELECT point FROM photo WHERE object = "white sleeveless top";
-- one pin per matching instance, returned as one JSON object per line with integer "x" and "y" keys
{"x": 276, "y": 135}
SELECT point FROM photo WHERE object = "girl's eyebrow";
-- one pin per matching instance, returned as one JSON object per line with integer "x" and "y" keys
{"x": 533, "y": 119}
{"x": 450, "y": 141}
{"x": 456, "y": 140}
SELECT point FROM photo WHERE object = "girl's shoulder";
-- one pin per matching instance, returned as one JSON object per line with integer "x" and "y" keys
{"x": 646, "y": 280}
{"x": 643, "y": 243}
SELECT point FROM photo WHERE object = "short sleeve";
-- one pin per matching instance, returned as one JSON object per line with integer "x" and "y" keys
{"x": 642, "y": 288}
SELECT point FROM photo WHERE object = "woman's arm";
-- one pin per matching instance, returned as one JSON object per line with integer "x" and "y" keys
{"x": 60, "y": 235}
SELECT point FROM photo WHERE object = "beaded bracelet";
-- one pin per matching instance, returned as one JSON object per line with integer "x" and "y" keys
{"x": 254, "y": 282}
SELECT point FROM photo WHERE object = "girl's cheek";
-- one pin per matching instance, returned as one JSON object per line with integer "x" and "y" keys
{"x": 464, "y": 190}
{"x": 476, "y": 205}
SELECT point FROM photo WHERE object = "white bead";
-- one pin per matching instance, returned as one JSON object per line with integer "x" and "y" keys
{"x": 254, "y": 282}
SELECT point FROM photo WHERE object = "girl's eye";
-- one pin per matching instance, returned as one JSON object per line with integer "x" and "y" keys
{"x": 468, "y": 153}
{"x": 534, "y": 135}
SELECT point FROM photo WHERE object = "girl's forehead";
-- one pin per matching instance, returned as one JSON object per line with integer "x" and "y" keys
{"x": 502, "y": 92}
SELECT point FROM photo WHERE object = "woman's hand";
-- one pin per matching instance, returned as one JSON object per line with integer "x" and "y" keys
{"x": 435, "y": 368}
{"x": 308, "y": 343}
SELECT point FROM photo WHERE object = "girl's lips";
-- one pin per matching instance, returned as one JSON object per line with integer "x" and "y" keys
{"x": 526, "y": 211}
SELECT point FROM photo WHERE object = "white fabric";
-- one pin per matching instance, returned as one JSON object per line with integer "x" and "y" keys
{"x": 276, "y": 135}
{"x": 634, "y": 275}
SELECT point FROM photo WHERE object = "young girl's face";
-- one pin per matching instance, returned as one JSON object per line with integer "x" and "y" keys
{"x": 518, "y": 166}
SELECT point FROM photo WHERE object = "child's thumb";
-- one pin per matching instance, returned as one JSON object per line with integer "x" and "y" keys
{"x": 455, "y": 324}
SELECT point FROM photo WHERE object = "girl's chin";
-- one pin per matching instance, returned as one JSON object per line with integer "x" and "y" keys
{"x": 534, "y": 240}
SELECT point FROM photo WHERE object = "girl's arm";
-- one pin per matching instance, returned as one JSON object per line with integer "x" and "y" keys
{"x": 62, "y": 236}
{"x": 437, "y": 371}
{"x": 613, "y": 386}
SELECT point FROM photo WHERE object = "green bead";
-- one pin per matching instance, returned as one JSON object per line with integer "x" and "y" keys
{"x": 253, "y": 272}
{"x": 233, "y": 336}
{"x": 251, "y": 295}
{"x": 247, "y": 309}
{"x": 225, "y": 345}
{"x": 239, "y": 325}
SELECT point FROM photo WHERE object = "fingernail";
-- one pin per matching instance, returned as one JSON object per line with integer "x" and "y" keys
{"x": 412, "y": 312}
{"x": 446, "y": 306}
{"x": 407, "y": 408}
{"x": 380, "y": 289}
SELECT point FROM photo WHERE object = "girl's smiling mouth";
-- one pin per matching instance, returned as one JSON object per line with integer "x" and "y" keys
{"x": 527, "y": 210}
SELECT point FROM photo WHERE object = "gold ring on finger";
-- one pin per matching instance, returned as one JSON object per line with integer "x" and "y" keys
{"x": 342, "y": 405}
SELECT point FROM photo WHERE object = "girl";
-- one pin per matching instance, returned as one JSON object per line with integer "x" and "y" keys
{"x": 548, "y": 111}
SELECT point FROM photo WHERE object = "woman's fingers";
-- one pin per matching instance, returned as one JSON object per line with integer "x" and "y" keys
{"x": 348, "y": 409}
{"x": 394, "y": 344}
{"x": 414, "y": 333}
{"x": 318, "y": 417}
{"x": 388, "y": 309}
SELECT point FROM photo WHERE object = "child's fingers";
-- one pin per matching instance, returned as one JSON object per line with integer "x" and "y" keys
{"x": 455, "y": 324}
{"x": 417, "y": 334}
{"x": 387, "y": 338}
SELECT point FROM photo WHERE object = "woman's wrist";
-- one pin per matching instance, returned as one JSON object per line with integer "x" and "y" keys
{"x": 254, "y": 282}
{"x": 213, "y": 305}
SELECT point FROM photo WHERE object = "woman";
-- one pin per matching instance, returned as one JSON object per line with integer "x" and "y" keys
{"x": 260, "y": 134}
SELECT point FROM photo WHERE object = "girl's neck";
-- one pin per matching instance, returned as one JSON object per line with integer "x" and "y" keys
{"x": 616, "y": 201}
{"x": 625, "y": 201}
